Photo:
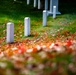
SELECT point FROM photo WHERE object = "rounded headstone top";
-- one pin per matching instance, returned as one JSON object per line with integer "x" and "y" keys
{"x": 54, "y": 6}
{"x": 27, "y": 18}
{"x": 10, "y": 23}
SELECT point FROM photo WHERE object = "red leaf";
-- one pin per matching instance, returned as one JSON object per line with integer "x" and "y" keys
{"x": 35, "y": 49}
{"x": 22, "y": 48}
{"x": 69, "y": 42}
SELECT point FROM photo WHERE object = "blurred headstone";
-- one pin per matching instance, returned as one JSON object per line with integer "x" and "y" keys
{"x": 44, "y": 17}
{"x": 46, "y": 4}
{"x": 39, "y": 4}
{"x": 54, "y": 11}
{"x": 10, "y": 32}
{"x": 27, "y": 26}
{"x": 28, "y": 2}
{"x": 35, "y": 3}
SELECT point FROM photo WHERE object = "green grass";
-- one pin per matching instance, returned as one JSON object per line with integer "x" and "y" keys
{"x": 17, "y": 11}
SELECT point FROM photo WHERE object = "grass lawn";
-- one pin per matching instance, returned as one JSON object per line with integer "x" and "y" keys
{"x": 51, "y": 50}
{"x": 17, "y": 11}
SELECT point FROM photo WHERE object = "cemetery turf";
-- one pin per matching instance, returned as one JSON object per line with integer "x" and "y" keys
{"x": 16, "y": 11}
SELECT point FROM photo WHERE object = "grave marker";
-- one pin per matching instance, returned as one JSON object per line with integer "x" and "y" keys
{"x": 54, "y": 11}
{"x": 28, "y": 2}
{"x": 39, "y": 4}
{"x": 46, "y": 4}
{"x": 10, "y": 33}
{"x": 54, "y": 3}
{"x": 35, "y": 3}
{"x": 27, "y": 26}
{"x": 44, "y": 18}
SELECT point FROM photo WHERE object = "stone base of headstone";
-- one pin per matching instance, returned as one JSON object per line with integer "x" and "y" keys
{"x": 51, "y": 13}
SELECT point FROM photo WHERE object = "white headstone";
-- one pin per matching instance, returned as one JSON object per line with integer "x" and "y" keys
{"x": 54, "y": 3}
{"x": 54, "y": 11}
{"x": 46, "y": 4}
{"x": 44, "y": 18}
{"x": 39, "y": 4}
{"x": 28, "y": 2}
{"x": 10, "y": 33}
{"x": 27, "y": 26}
{"x": 35, "y": 3}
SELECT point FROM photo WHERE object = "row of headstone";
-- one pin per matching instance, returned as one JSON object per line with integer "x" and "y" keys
{"x": 45, "y": 14}
{"x": 10, "y": 26}
{"x": 47, "y": 3}
{"x": 10, "y": 30}
{"x": 35, "y": 3}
